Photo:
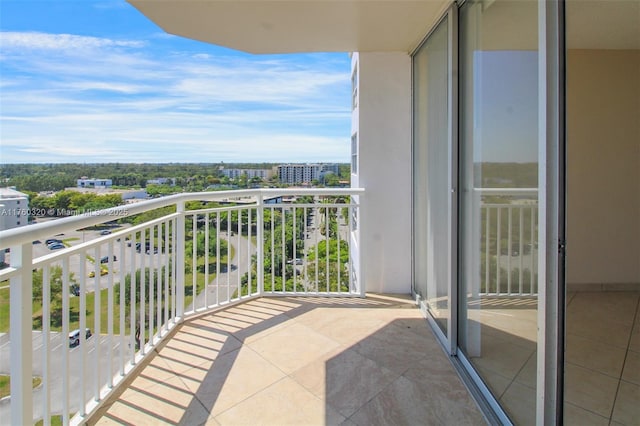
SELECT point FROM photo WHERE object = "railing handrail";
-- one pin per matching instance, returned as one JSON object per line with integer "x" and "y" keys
{"x": 506, "y": 191}
{"x": 157, "y": 288}
{"x": 24, "y": 234}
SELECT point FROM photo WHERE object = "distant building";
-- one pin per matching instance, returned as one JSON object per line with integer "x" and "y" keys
{"x": 127, "y": 194}
{"x": 14, "y": 211}
{"x": 305, "y": 173}
{"x": 162, "y": 181}
{"x": 94, "y": 183}
{"x": 263, "y": 174}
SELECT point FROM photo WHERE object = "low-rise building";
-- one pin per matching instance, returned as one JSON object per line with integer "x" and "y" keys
{"x": 162, "y": 181}
{"x": 85, "y": 182}
{"x": 14, "y": 211}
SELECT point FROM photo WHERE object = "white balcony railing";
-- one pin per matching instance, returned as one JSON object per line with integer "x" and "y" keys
{"x": 506, "y": 241}
{"x": 183, "y": 258}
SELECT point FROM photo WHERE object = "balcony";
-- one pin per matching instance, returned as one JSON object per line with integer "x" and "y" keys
{"x": 303, "y": 360}
{"x": 268, "y": 307}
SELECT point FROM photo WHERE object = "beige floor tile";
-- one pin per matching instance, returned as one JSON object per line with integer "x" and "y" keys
{"x": 501, "y": 356}
{"x": 627, "y": 407}
{"x": 496, "y": 382}
{"x": 343, "y": 328}
{"x": 211, "y": 421}
{"x": 247, "y": 333}
{"x": 420, "y": 326}
{"x": 264, "y": 306}
{"x": 384, "y": 345}
{"x": 631, "y": 372}
{"x": 599, "y": 329}
{"x": 158, "y": 368}
{"x": 284, "y": 403}
{"x": 125, "y": 414}
{"x": 589, "y": 389}
{"x": 207, "y": 347}
{"x": 576, "y": 416}
{"x": 229, "y": 325}
{"x": 147, "y": 382}
{"x": 528, "y": 375}
{"x": 345, "y": 356}
{"x": 163, "y": 404}
{"x": 251, "y": 313}
{"x": 282, "y": 304}
{"x": 595, "y": 356}
{"x": 405, "y": 402}
{"x": 615, "y": 307}
{"x": 519, "y": 402}
{"x": 519, "y": 326}
{"x": 172, "y": 390}
{"x": 293, "y": 347}
{"x": 233, "y": 378}
{"x": 634, "y": 343}
{"x": 181, "y": 360}
{"x": 345, "y": 380}
{"x": 436, "y": 372}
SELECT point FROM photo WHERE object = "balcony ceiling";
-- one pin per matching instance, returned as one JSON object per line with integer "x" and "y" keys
{"x": 272, "y": 26}
{"x": 267, "y": 26}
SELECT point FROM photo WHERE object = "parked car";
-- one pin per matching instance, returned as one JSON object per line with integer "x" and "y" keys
{"x": 105, "y": 259}
{"x": 52, "y": 240}
{"x": 75, "y": 289}
{"x": 74, "y": 337}
{"x": 103, "y": 271}
{"x": 56, "y": 246}
{"x": 105, "y": 232}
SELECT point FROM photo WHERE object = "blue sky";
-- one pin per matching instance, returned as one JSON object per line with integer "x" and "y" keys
{"x": 96, "y": 81}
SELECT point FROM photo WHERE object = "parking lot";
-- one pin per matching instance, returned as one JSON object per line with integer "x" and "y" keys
{"x": 95, "y": 272}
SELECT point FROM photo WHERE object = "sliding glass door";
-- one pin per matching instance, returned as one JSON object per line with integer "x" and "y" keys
{"x": 498, "y": 223}
{"x": 488, "y": 200}
{"x": 431, "y": 171}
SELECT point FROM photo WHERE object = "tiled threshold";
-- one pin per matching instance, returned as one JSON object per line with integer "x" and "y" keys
{"x": 298, "y": 361}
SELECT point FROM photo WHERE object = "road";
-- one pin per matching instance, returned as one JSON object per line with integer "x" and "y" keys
{"x": 222, "y": 287}
{"x": 58, "y": 345}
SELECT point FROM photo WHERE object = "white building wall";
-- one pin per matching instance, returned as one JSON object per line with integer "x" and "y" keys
{"x": 14, "y": 211}
{"x": 382, "y": 120}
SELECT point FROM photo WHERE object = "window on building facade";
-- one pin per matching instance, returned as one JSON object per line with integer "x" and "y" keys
{"x": 354, "y": 153}
{"x": 354, "y": 88}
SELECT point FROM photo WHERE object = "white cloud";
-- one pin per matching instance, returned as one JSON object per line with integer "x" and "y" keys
{"x": 43, "y": 41}
{"x": 78, "y": 98}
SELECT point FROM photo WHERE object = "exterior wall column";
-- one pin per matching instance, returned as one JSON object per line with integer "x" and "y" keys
{"x": 382, "y": 121}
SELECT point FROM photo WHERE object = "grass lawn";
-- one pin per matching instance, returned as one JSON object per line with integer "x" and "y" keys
{"x": 54, "y": 421}
{"x": 74, "y": 302}
{"x": 5, "y": 384}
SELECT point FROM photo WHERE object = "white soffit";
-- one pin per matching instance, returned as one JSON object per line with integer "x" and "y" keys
{"x": 268, "y": 26}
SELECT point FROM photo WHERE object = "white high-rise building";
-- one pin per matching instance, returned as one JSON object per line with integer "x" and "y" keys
{"x": 14, "y": 211}
{"x": 304, "y": 173}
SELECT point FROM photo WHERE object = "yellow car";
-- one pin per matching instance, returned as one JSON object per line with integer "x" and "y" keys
{"x": 92, "y": 274}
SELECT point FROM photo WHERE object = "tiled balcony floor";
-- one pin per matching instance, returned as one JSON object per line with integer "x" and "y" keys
{"x": 298, "y": 361}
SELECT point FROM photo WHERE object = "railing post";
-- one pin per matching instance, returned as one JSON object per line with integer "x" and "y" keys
{"x": 260, "y": 245}
{"x": 180, "y": 261}
{"x": 20, "y": 334}
{"x": 358, "y": 260}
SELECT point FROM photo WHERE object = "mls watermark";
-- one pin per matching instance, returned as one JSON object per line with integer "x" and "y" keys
{"x": 61, "y": 212}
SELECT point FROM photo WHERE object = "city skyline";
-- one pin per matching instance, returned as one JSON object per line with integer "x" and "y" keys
{"x": 97, "y": 82}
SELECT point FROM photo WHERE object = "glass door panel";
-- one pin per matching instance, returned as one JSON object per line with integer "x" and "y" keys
{"x": 431, "y": 171}
{"x": 497, "y": 324}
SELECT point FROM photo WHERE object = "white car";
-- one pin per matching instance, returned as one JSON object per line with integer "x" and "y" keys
{"x": 74, "y": 337}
